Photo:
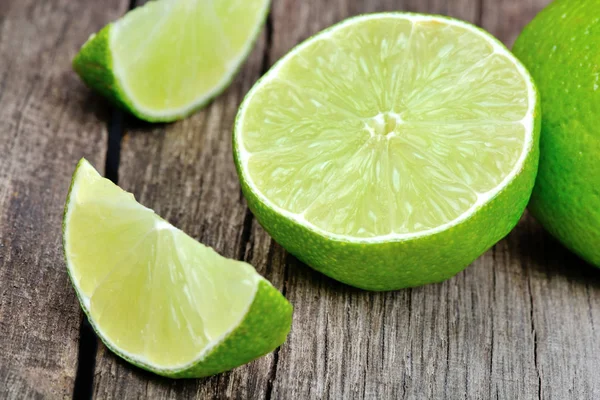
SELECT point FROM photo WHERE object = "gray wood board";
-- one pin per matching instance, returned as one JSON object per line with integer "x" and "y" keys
{"x": 48, "y": 120}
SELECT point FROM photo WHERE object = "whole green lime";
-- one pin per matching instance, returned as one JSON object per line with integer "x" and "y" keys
{"x": 561, "y": 48}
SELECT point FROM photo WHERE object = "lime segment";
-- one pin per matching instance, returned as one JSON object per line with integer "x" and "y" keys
{"x": 168, "y": 57}
{"x": 153, "y": 293}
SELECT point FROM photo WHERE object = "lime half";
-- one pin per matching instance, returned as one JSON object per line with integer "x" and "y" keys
{"x": 157, "y": 297}
{"x": 390, "y": 150}
{"x": 166, "y": 59}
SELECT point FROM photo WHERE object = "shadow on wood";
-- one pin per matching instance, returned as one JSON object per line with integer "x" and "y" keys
{"x": 543, "y": 254}
{"x": 90, "y": 102}
{"x": 296, "y": 269}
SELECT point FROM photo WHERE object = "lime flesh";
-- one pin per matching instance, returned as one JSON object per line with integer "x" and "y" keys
{"x": 386, "y": 127}
{"x": 155, "y": 295}
{"x": 167, "y": 58}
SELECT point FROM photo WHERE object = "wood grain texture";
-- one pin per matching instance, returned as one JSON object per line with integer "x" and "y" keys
{"x": 520, "y": 323}
{"x": 48, "y": 120}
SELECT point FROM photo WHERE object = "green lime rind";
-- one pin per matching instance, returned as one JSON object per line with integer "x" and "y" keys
{"x": 560, "y": 49}
{"x": 366, "y": 266}
{"x": 94, "y": 65}
{"x": 400, "y": 263}
{"x": 263, "y": 329}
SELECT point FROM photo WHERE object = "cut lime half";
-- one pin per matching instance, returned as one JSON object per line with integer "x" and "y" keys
{"x": 164, "y": 60}
{"x": 157, "y": 297}
{"x": 390, "y": 150}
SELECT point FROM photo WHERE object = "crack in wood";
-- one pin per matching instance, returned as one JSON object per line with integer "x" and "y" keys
{"x": 245, "y": 237}
{"x": 265, "y": 65}
{"x": 479, "y": 16}
{"x": 113, "y": 151}
{"x": 86, "y": 361}
{"x": 271, "y": 381}
{"x": 535, "y": 340}
{"x": 404, "y": 380}
{"x": 491, "y": 371}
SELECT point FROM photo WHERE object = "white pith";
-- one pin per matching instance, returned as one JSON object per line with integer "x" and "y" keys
{"x": 482, "y": 198}
{"x": 202, "y": 98}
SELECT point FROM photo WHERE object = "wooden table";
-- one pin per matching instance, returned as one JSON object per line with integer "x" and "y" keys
{"x": 521, "y": 323}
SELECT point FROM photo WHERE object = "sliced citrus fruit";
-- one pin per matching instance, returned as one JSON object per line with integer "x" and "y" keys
{"x": 166, "y": 59}
{"x": 157, "y": 297}
{"x": 390, "y": 150}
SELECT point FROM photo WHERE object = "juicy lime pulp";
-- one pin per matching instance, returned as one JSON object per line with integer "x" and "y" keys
{"x": 155, "y": 295}
{"x": 386, "y": 127}
{"x": 169, "y": 57}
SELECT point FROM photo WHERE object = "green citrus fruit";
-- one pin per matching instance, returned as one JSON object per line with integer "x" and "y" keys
{"x": 390, "y": 150}
{"x": 155, "y": 296}
{"x": 166, "y": 59}
{"x": 561, "y": 49}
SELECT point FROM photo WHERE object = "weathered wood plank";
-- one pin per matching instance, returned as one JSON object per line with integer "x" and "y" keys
{"x": 48, "y": 120}
{"x": 565, "y": 305}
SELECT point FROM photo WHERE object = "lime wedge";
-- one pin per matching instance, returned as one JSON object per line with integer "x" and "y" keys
{"x": 158, "y": 298}
{"x": 166, "y": 59}
{"x": 390, "y": 150}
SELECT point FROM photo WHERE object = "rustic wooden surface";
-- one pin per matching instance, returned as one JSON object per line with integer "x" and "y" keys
{"x": 520, "y": 323}
{"x": 47, "y": 122}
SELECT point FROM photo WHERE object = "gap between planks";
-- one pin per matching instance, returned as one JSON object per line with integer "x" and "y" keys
{"x": 88, "y": 341}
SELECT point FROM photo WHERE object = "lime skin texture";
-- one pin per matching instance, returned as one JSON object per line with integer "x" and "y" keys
{"x": 560, "y": 47}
